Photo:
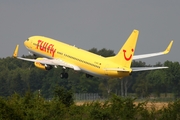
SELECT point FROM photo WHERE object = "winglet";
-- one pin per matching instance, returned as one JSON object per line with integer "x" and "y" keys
{"x": 15, "y": 54}
{"x": 168, "y": 48}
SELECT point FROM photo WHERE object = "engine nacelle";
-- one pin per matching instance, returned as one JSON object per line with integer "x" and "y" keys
{"x": 41, "y": 66}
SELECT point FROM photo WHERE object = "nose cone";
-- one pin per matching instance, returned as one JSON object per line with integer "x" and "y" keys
{"x": 26, "y": 43}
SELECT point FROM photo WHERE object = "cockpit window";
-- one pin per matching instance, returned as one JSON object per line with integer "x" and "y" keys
{"x": 27, "y": 39}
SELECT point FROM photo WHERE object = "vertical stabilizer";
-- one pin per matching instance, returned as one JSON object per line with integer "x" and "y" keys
{"x": 16, "y": 51}
{"x": 125, "y": 55}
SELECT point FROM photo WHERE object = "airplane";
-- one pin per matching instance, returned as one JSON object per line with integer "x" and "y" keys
{"x": 52, "y": 53}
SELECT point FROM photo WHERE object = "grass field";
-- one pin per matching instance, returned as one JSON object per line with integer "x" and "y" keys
{"x": 155, "y": 105}
{"x": 152, "y": 103}
{"x": 149, "y": 105}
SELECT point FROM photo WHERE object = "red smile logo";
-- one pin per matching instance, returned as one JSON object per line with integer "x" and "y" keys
{"x": 127, "y": 58}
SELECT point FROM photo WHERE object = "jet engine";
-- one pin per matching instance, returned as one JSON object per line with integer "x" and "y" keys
{"x": 42, "y": 66}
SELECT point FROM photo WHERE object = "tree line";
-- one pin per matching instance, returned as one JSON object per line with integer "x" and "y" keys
{"x": 34, "y": 107}
{"x": 17, "y": 76}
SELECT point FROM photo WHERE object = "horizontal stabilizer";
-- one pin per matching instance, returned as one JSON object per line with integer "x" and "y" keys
{"x": 134, "y": 69}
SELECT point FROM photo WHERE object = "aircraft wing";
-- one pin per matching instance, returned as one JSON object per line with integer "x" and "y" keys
{"x": 54, "y": 62}
{"x": 47, "y": 61}
{"x": 135, "y": 57}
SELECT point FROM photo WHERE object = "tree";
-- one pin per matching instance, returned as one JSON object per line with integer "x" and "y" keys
{"x": 108, "y": 86}
{"x": 64, "y": 96}
{"x": 15, "y": 82}
{"x": 127, "y": 83}
{"x": 173, "y": 76}
{"x": 142, "y": 86}
{"x": 158, "y": 81}
{"x": 103, "y": 52}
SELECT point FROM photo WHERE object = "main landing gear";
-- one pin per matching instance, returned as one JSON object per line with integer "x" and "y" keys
{"x": 64, "y": 74}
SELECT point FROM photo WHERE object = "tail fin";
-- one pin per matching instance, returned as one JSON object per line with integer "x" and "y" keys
{"x": 125, "y": 55}
{"x": 15, "y": 54}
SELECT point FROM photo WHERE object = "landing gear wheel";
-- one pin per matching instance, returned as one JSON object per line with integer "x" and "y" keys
{"x": 66, "y": 75}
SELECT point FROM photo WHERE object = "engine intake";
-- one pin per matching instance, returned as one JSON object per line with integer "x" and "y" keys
{"x": 41, "y": 66}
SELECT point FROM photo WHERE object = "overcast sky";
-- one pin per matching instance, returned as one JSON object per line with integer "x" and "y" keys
{"x": 92, "y": 23}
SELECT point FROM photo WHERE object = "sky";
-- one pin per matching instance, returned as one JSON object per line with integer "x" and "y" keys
{"x": 93, "y": 24}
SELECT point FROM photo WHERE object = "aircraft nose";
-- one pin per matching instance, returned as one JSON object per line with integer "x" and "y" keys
{"x": 26, "y": 43}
